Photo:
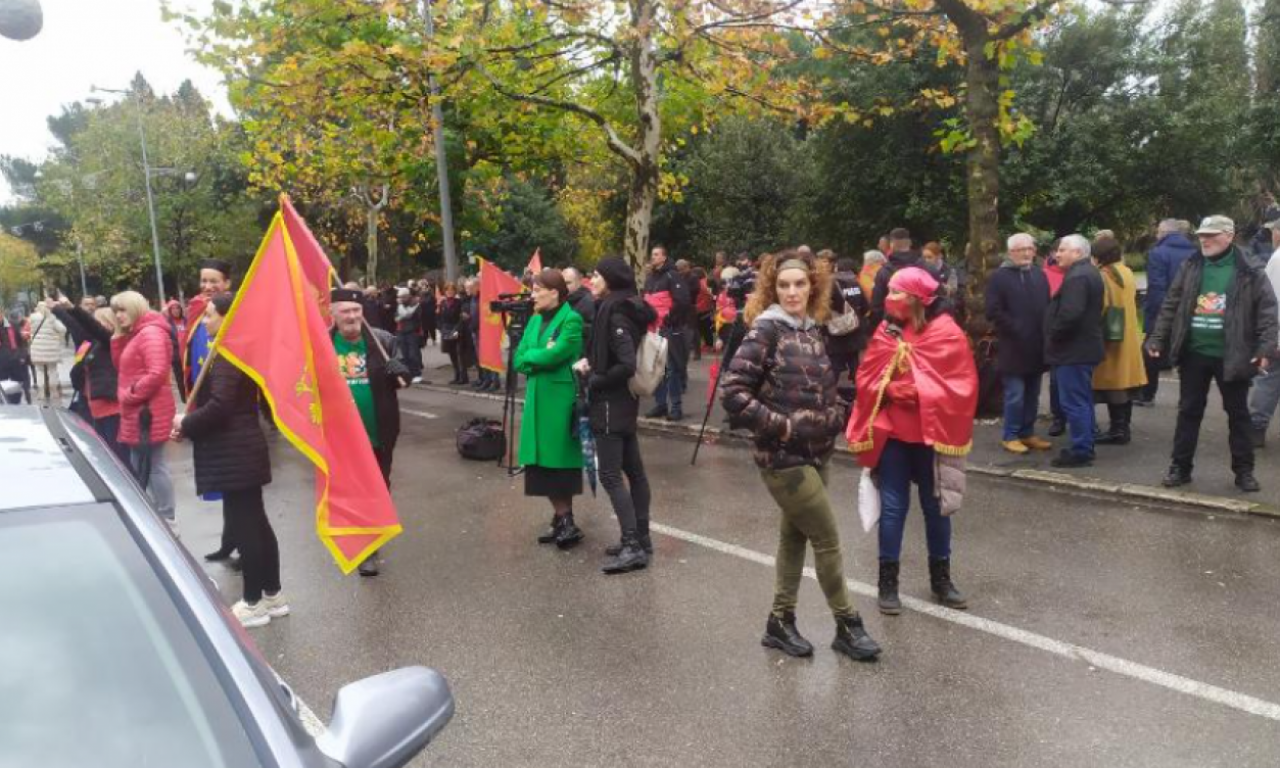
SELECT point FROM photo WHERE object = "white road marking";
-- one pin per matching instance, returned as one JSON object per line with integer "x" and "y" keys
{"x": 1234, "y": 699}
{"x": 422, "y": 414}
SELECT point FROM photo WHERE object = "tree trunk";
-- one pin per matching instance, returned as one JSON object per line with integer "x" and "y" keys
{"x": 982, "y": 107}
{"x": 371, "y": 243}
{"x": 644, "y": 171}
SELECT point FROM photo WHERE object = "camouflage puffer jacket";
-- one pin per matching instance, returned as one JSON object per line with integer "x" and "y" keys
{"x": 781, "y": 375}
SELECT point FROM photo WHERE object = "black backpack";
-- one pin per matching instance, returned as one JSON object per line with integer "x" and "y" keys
{"x": 481, "y": 440}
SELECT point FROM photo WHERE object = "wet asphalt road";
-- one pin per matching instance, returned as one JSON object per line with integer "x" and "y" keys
{"x": 554, "y": 664}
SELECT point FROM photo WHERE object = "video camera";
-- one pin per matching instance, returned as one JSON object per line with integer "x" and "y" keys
{"x": 741, "y": 287}
{"x": 516, "y": 308}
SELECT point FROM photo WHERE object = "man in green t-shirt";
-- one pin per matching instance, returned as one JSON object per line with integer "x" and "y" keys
{"x": 1218, "y": 325}
{"x": 368, "y": 360}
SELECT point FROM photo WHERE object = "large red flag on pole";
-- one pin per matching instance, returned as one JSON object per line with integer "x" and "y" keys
{"x": 276, "y": 334}
{"x": 315, "y": 265}
{"x": 493, "y": 283}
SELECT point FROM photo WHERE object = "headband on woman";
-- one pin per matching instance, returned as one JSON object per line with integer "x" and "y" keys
{"x": 793, "y": 264}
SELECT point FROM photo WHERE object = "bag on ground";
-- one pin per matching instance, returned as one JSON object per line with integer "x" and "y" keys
{"x": 651, "y": 365}
{"x": 868, "y": 501}
{"x": 481, "y": 440}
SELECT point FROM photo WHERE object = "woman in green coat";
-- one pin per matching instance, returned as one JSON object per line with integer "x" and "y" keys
{"x": 549, "y": 447}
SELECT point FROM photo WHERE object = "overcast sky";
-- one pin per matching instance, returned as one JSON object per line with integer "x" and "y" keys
{"x": 84, "y": 43}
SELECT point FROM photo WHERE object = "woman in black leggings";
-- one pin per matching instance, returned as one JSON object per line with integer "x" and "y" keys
{"x": 231, "y": 459}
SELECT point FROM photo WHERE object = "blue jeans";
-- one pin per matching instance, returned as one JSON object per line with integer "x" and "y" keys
{"x": 410, "y": 352}
{"x": 1075, "y": 395}
{"x": 1265, "y": 398}
{"x": 900, "y": 465}
{"x": 1021, "y": 404}
{"x": 674, "y": 381}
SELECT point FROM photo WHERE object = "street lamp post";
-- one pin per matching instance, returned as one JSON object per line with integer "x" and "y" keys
{"x": 151, "y": 205}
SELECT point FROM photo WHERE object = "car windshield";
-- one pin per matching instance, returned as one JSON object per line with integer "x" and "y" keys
{"x": 99, "y": 667}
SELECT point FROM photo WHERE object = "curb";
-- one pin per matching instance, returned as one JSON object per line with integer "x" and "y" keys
{"x": 1052, "y": 480}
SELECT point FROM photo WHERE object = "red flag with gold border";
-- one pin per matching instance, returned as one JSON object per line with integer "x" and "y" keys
{"x": 493, "y": 283}
{"x": 276, "y": 334}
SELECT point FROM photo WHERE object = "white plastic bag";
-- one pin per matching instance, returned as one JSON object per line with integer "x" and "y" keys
{"x": 868, "y": 501}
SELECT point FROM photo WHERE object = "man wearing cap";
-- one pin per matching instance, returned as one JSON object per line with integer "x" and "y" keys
{"x": 1266, "y": 388}
{"x": 1217, "y": 324}
{"x": 368, "y": 360}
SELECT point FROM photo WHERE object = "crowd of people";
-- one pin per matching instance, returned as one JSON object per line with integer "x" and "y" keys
{"x": 812, "y": 346}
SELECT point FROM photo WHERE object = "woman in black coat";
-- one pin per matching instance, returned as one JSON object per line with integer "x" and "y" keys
{"x": 620, "y": 322}
{"x": 231, "y": 459}
{"x": 449, "y": 320}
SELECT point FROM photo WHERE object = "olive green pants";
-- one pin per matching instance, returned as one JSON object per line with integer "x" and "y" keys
{"x": 807, "y": 518}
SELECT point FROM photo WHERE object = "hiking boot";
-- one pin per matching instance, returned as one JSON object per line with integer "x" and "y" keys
{"x": 1014, "y": 446}
{"x": 643, "y": 539}
{"x": 853, "y": 641}
{"x": 890, "y": 604}
{"x": 944, "y": 591}
{"x": 780, "y": 633}
{"x": 1176, "y": 476}
{"x": 656, "y": 412}
{"x": 1246, "y": 482}
{"x": 1037, "y": 443}
{"x": 630, "y": 558}
{"x": 570, "y": 535}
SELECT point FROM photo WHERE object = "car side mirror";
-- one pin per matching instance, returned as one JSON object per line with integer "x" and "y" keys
{"x": 385, "y": 720}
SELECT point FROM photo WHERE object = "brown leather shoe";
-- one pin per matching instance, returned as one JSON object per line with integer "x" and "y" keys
{"x": 1037, "y": 443}
{"x": 1014, "y": 446}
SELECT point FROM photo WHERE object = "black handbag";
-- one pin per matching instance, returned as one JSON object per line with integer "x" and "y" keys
{"x": 481, "y": 440}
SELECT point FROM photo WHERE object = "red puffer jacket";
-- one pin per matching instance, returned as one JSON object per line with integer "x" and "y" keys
{"x": 143, "y": 359}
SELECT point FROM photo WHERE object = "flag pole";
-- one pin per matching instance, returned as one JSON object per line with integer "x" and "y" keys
{"x": 204, "y": 371}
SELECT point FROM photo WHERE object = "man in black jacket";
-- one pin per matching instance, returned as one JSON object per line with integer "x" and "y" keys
{"x": 581, "y": 300}
{"x": 1073, "y": 346}
{"x": 668, "y": 293}
{"x": 368, "y": 360}
{"x": 901, "y": 256}
{"x": 1217, "y": 324}
{"x": 1017, "y": 299}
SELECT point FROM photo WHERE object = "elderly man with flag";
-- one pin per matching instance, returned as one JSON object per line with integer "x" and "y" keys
{"x": 369, "y": 362}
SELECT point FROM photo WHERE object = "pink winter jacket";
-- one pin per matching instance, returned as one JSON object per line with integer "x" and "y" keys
{"x": 143, "y": 360}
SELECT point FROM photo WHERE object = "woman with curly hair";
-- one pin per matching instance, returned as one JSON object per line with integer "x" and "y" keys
{"x": 781, "y": 386}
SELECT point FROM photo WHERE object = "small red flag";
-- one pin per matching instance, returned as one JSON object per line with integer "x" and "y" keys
{"x": 275, "y": 333}
{"x": 493, "y": 283}
{"x": 535, "y": 262}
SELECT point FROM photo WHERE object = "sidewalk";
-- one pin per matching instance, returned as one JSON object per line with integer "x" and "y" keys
{"x": 1135, "y": 469}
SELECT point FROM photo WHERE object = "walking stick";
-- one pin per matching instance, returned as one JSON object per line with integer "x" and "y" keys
{"x": 736, "y": 332}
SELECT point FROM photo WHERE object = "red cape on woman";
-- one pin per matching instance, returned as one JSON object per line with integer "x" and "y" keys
{"x": 946, "y": 380}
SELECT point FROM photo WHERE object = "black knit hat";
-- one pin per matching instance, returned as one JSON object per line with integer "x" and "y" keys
{"x": 616, "y": 273}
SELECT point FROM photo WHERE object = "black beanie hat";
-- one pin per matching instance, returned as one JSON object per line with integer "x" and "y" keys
{"x": 616, "y": 273}
{"x": 345, "y": 294}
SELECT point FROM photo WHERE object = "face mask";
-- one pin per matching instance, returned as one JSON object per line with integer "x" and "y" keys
{"x": 898, "y": 308}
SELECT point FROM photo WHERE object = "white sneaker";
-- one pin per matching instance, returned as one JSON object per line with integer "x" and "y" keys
{"x": 276, "y": 604}
{"x": 252, "y": 615}
{"x": 417, "y": 379}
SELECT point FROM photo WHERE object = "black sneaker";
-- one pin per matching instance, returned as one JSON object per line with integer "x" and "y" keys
{"x": 1069, "y": 460}
{"x": 853, "y": 641}
{"x": 656, "y": 412}
{"x": 1246, "y": 482}
{"x": 630, "y": 558}
{"x": 1175, "y": 477}
{"x": 781, "y": 634}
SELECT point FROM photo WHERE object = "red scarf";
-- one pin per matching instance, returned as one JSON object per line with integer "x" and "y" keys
{"x": 945, "y": 377}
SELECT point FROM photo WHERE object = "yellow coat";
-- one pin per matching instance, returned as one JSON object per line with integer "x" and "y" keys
{"x": 1122, "y": 368}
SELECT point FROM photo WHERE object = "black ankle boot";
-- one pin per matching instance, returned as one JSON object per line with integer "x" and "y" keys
{"x": 890, "y": 604}
{"x": 553, "y": 531}
{"x": 853, "y": 641}
{"x": 643, "y": 539}
{"x": 1120, "y": 432}
{"x": 569, "y": 534}
{"x": 781, "y": 634}
{"x": 630, "y": 556}
{"x": 941, "y": 586}
{"x": 223, "y": 553}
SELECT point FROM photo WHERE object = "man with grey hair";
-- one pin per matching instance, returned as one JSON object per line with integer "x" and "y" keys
{"x": 1218, "y": 325}
{"x": 1073, "y": 346}
{"x": 1171, "y": 251}
{"x": 1017, "y": 298}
